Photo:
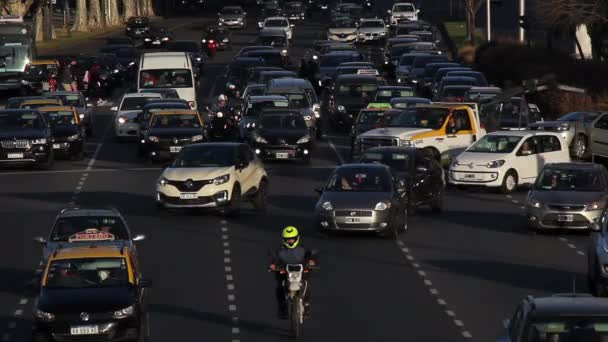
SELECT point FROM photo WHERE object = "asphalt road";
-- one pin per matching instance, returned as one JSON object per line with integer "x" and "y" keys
{"x": 453, "y": 277}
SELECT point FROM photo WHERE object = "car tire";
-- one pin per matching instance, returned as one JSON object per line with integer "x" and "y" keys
{"x": 509, "y": 182}
{"x": 234, "y": 208}
{"x": 581, "y": 151}
{"x": 259, "y": 200}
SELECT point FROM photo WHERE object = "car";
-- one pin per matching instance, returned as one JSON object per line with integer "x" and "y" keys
{"x": 402, "y": 10}
{"x": 329, "y": 62}
{"x": 151, "y": 106}
{"x": 243, "y": 51}
{"x": 426, "y": 80}
{"x": 238, "y": 70}
{"x": 387, "y": 93}
{"x": 342, "y": 29}
{"x": 348, "y": 9}
{"x": 371, "y": 30}
{"x": 168, "y": 131}
{"x": 127, "y": 111}
{"x": 67, "y": 131}
{"x": 36, "y": 74}
{"x": 419, "y": 63}
{"x": 275, "y": 57}
{"x": 478, "y": 94}
{"x": 15, "y": 102}
{"x": 232, "y": 17}
{"x": 39, "y": 103}
{"x": 567, "y": 196}
{"x": 367, "y": 119}
{"x": 362, "y": 198}
{"x": 26, "y": 138}
{"x": 282, "y": 134}
{"x": 78, "y": 226}
{"x": 137, "y": 27}
{"x": 442, "y": 72}
{"x": 254, "y": 107}
{"x": 165, "y": 93}
{"x": 597, "y": 257}
{"x": 559, "y": 317}
{"x": 279, "y": 23}
{"x": 215, "y": 176}
{"x": 507, "y": 159}
{"x": 424, "y": 177}
{"x": 192, "y": 47}
{"x": 403, "y": 65}
{"x": 350, "y": 94}
{"x": 254, "y": 89}
{"x": 255, "y": 72}
{"x": 91, "y": 290}
{"x": 220, "y": 34}
{"x": 157, "y": 37}
{"x": 453, "y": 93}
{"x": 295, "y": 10}
{"x": 408, "y": 102}
{"x": 77, "y": 100}
{"x": 274, "y": 37}
{"x": 266, "y": 76}
{"x": 302, "y": 98}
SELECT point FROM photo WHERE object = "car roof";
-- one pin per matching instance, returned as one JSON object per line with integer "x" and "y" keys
{"x": 341, "y": 53}
{"x": 523, "y": 133}
{"x": 276, "y": 18}
{"x": 176, "y": 112}
{"x": 79, "y": 212}
{"x": 157, "y": 95}
{"x": 289, "y": 82}
{"x": 214, "y": 144}
{"x": 92, "y": 251}
{"x": 261, "y": 98}
{"x": 278, "y": 72}
{"x": 410, "y": 99}
{"x": 61, "y": 93}
{"x": 57, "y": 108}
{"x": 569, "y": 305}
{"x": 485, "y": 89}
{"x": 281, "y": 111}
{"x": 456, "y": 78}
{"x": 246, "y": 60}
{"x": 457, "y": 86}
{"x": 575, "y": 166}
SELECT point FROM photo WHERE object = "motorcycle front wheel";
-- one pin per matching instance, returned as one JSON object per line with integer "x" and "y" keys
{"x": 297, "y": 316}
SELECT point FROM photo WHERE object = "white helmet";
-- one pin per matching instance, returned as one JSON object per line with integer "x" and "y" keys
{"x": 222, "y": 97}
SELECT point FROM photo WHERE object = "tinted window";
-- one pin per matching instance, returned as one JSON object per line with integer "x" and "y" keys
{"x": 88, "y": 272}
{"x": 175, "y": 121}
{"x": 288, "y": 122}
{"x": 66, "y": 227}
{"x": 359, "y": 180}
{"x": 205, "y": 156}
{"x": 569, "y": 180}
{"x": 20, "y": 120}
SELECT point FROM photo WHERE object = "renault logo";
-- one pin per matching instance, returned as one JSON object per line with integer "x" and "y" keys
{"x": 189, "y": 183}
{"x": 84, "y": 316}
{"x": 175, "y": 141}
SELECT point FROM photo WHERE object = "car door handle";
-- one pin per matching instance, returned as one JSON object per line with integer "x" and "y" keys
{"x": 438, "y": 139}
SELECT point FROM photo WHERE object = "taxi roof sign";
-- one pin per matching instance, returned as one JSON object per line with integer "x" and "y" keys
{"x": 379, "y": 105}
{"x": 92, "y": 234}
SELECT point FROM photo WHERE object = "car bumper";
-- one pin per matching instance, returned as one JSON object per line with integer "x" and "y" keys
{"x": 282, "y": 152}
{"x": 67, "y": 148}
{"x": 114, "y": 331}
{"x": 34, "y": 154}
{"x": 364, "y": 39}
{"x": 346, "y": 39}
{"x": 232, "y": 24}
{"x": 545, "y": 218}
{"x": 126, "y": 130}
{"x": 209, "y": 196}
{"x": 341, "y": 220}
{"x": 477, "y": 178}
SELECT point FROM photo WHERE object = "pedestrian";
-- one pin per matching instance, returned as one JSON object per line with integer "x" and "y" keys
{"x": 66, "y": 77}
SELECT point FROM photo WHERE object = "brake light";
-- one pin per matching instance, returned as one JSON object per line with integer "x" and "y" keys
{"x": 212, "y": 41}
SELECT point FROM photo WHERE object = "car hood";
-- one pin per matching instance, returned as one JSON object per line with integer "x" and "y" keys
{"x": 346, "y": 30}
{"x": 231, "y": 16}
{"x": 59, "y": 301}
{"x": 174, "y": 132}
{"x": 400, "y": 132}
{"x": 290, "y": 136}
{"x": 371, "y": 30}
{"x": 22, "y": 134}
{"x": 65, "y": 131}
{"x": 354, "y": 200}
{"x": 196, "y": 173}
{"x": 548, "y": 124}
{"x": 479, "y": 159}
{"x": 567, "y": 197}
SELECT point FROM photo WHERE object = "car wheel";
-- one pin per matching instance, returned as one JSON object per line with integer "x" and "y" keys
{"x": 234, "y": 207}
{"x": 259, "y": 201}
{"x": 437, "y": 203}
{"x": 509, "y": 183}
{"x": 580, "y": 147}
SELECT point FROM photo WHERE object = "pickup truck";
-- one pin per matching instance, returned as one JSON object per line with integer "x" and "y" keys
{"x": 442, "y": 129}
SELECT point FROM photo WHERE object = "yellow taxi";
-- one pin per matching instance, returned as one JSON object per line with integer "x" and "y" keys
{"x": 38, "y": 103}
{"x": 36, "y": 75}
{"x": 68, "y": 133}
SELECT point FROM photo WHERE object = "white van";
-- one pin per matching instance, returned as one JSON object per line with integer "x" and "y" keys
{"x": 168, "y": 70}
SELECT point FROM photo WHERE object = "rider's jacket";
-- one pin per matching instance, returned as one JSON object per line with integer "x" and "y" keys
{"x": 284, "y": 255}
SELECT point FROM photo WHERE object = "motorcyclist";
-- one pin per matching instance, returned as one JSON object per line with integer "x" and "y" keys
{"x": 291, "y": 252}
{"x": 236, "y": 102}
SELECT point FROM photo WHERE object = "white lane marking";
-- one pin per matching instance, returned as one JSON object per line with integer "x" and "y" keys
{"x": 229, "y": 277}
{"x": 230, "y": 287}
{"x": 333, "y": 147}
{"x": 458, "y": 322}
{"x": 441, "y": 301}
{"x": 227, "y": 260}
{"x": 23, "y": 301}
{"x": 99, "y": 146}
{"x": 515, "y": 201}
{"x": 466, "y": 334}
{"x": 449, "y": 313}
{"x": 18, "y": 312}
{"x": 563, "y": 239}
{"x": 580, "y": 253}
{"x": 571, "y": 246}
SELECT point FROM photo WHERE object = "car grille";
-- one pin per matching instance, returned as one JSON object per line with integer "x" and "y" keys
{"x": 578, "y": 221}
{"x": 15, "y": 144}
{"x": 563, "y": 207}
{"x": 354, "y": 225}
{"x": 195, "y": 201}
{"x": 366, "y": 213}
{"x": 378, "y": 141}
{"x": 371, "y": 34}
{"x": 189, "y": 185}
{"x": 174, "y": 141}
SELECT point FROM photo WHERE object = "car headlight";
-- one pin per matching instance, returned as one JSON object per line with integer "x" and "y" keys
{"x": 307, "y": 117}
{"x": 361, "y": 35}
{"x": 496, "y": 163}
{"x": 197, "y": 138}
{"x": 260, "y": 25}
{"x": 225, "y": 40}
{"x": 153, "y": 138}
{"x": 44, "y": 316}
{"x": 304, "y": 139}
{"x": 73, "y": 137}
{"x": 259, "y": 139}
{"x": 231, "y": 86}
{"x": 250, "y": 125}
{"x": 341, "y": 108}
{"x": 383, "y": 33}
{"x": 147, "y": 39}
{"x": 122, "y": 120}
{"x": 594, "y": 206}
{"x": 407, "y": 143}
{"x": 162, "y": 181}
{"x": 81, "y": 116}
{"x": 382, "y": 206}
{"x": 239, "y": 19}
{"x": 283, "y": 53}
{"x": 454, "y": 163}
{"x": 204, "y": 41}
{"x": 124, "y": 313}
{"x": 38, "y": 141}
{"x": 222, "y": 19}
{"x": 317, "y": 110}
{"x": 198, "y": 59}
{"x": 315, "y": 57}
{"x": 221, "y": 179}
{"x": 534, "y": 203}
{"x": 327, "y": 206}
{"x": 219, "y": 114}
{"x": 165, "y": 39}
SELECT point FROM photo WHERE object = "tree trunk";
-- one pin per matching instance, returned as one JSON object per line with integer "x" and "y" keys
{"x": 38, "y": 24}
{"x": 80, "y": 19}
{"x": 95, "y": 19}
{"x": 113, "y": 18}
{"x": 579, "y": 47}
{"x": 16, "y": 7}
{"x": 130, "y": 8}
{"x": 148, "y": 8}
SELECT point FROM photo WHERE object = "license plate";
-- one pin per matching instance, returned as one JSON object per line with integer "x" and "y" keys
{"x": 175, "y": 149}
{"x": 156, "y": 43}
{"x": 565, "y": 218}
{"x": 188, "y": 196}
{"x": 282, "y": 155}
{"x": 469, "y": 175}
{"x": 56, "y": 146}
{"x": 84, "y": 330}
{"x": 352, "y": 220}
{"x": 15, "y": 156}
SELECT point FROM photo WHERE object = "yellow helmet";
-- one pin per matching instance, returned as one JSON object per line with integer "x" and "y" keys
{"x": 291, "y": 233}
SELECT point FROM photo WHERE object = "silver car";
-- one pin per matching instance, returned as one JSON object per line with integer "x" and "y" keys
{"x": 342, "y": 29}
{"x": 232, "y": 17}
{"x": 567, "y": 196}
{"x": 371, "y": 30}
{"x": 597, "y": 258}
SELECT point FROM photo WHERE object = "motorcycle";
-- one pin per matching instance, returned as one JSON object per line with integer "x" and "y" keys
{"x": 295, "y": 288}
{"x": 224, "y": 125}
{"x": 211, "y": 48}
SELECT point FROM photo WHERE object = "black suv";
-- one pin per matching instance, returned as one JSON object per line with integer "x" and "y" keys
{"x": 137, "y": 27}
{"x": 25, "y": 138}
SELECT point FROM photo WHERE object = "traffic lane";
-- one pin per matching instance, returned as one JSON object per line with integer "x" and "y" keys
{"x": 365, "y": 288}
{"x": 182, "y": 255}
{"x": 478, "y": 251}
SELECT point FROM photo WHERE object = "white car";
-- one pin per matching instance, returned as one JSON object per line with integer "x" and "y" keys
{"x": 403, "y": 10}
{"x": 130, "y": 105}
{"x": 371, "y": 30}
{"x": 280, "y": 23}
{"x": 213, "y": 175}
{"x": 507, "y": 159}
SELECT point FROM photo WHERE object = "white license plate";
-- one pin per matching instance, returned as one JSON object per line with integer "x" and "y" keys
{"x": 156, "y": 43}
{"x": 56, "y": 146}
{"x": 188, "y": 196}
{"x": 282, "y": 155}
{"x": 175, "y": 149}
{"x": 84, "y": 330}
{"x": 14, "y": 155}
{"x": 565, "y": 218}
{"x": 352, "y": 220}
{"x": 470, "y": 176}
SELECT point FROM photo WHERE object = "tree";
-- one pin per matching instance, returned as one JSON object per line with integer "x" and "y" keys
{"x": 130, "y": 8}
{"x": 471, "y": 8}
{"x": 111, "y": 15}
{"x": 15, "y": 7}
{"x": 148, "y": 9}
{"x": 81, "y": 24}
{"x": 95, "y": 18}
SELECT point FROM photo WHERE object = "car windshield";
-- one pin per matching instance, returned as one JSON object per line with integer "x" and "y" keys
{"x": 356, "y": 90}
{"x": 60, "y": 117}
{"x": 568, "y": 329}
{"x": 256, "y": 108}
{"x": 231, "y": 11}
{"x": 254, "y": 91}
{"x": 370, "y": 117}
{"x": 455, "y": 92}
{"x": 286, "y": 122}
{"x": 343, "y": 23}
{"x": 495, "y": 144}
{"x": 372, "y": 23}
{"x": 298, "y": 101}
{"x": 399, "y": 161}
{"x": 70, "y": 100}
{"x": 88, "y": 272}
{"x": 276, "y": 23}
{"x": 403, "y": 8}
{"x": 206, "y": 156}
{"x": 359, "y": 180}
{"x": 579, "y": 116}
{"x": 273, "y": 41}
{"x": 165, "y": 78}
{"x": 386, "y": 95}
{"x": 555, "y": 179}
{"x": 334, "y": 61}
{"x": 66, "y": 227}
{"x": 20, "y": 120}
{"x": 175, "y": 121}
{"x": 407, "y": 60}
{"x": 14, "y": 57}
{"x": 432, "y": 118}
{"x": 134, "y": 103}
{"x": 421, "y": 61}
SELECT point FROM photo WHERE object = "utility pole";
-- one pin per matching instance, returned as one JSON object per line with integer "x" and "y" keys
{"x": 489, "y": 20}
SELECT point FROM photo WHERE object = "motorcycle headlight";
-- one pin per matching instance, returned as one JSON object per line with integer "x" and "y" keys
{"x": 283, "y": 53}
{"x": 221, "y": 179}
{"x": 81, "y": 116}
{"x": 327, "y": 206}
{"x": 44, "y": 316}
{"x": 307, "y": 117}
{"x": 116, "y": 71}
{"x": 38, "y": 141}
{"x": 165, "y": 39}
{"x": 25, "y": 82}
{"x": 534, "y": 203}
{"x": 315, "y": 57}
{"x": 222, "y": 19}
{"x": 382, "y": 206}
{"x": 304, "y": 139}
{"x": 124, "y": 313}
{"x": 197, "y": 138}
{"x": 198, "y": 59}
{"x": 594, "y": 206}
{"x": 147, "y": 39}
{"x": 225, "y": 40}
{"x": 259, "y": 139}
{"x": 162, "y": 181}
{"x": 219, "y": 114}
{"x": 231, "y": 86}
{"x": 341, "y": 108}
{"x": 204, "y": 41}
{"x": 239, "y": 20}
{"x": 153, "y": 139}
{"x": 250, "y": 125}
{"x": 73, "y": 137}
{"x": 122, "y": 120}
{"x": 496, "y": 163}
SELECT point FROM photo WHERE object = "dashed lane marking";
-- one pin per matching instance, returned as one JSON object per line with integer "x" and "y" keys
{"x": 230, "y": 287}
{"x": 333, "y": 147}
{"x": 38, "y": 173}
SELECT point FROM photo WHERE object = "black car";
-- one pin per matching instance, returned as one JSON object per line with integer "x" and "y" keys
{"x": 295, "y": 10}
{"x": 384, "y": 94}
{"x": 238, "y": 71}
{"x": 423, "y": 176}
{"x": 189, "y": 5}
{"x": 192, "y": 47}
{"x": 143, "y": 117}
{"x": 127, "y": 57}
{"x": 281, "y": 135}
{"x": 366, "y": 120}
{"x": 67, "y": 132}
{"x": 25, "y": 138}
{"x": 157, "y": 37}
{"x": 350, "y": 94}
{"x": 168, "y": 131}
{"x": 220, "y": 34}
{"x": 35, "y": 75}
{"x": 138, "y": 27}
{"x": 362, "y": 198}
{"x": 275, "y": 57}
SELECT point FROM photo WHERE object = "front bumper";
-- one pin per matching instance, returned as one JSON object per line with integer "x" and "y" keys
{"x": 109, "y": 330}
{"x": 370, "y": 37}
{"x": 126, "y": 130}
{"x": 490, "y": 178}
{"x": 208, "y": 196}
{"x": 282, "y": 152}
{"x": 68, "y": 148}
{"x": 548, "y": 218}
{"x": 32, "y": 154}
{"x": 232, "y": 23}
{"x": 364, "y": 220}
{"x": 344, "y": 38}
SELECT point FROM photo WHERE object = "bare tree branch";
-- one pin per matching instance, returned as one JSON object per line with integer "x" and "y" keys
{"x": 571, "y": 13}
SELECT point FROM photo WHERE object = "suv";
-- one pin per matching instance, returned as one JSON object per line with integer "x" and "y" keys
{"x": 213, "y": 175}
{"x": 403, "y": 10}
{"x": 371, "y": 30}
{"x": 137, "y": 27}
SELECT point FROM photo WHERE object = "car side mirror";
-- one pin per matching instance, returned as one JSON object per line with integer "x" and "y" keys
{"x": 145, "y": 283}
{"x": 40, "y": 240}
{"x": 595, "y": 227}
{"x": 114, "y": 109}
{"x": 139, "y": 237}
{"x": 319, "y": 190}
